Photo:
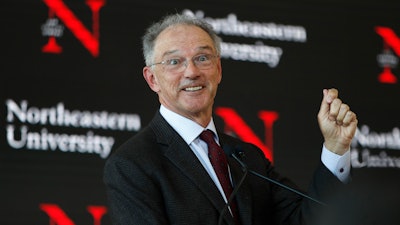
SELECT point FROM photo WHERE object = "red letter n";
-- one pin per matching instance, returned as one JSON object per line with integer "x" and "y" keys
{"x": 59, "y": 217}
{"x": 234, "y": 123}
{"x": 89, "y": 41}
{"x": 390, "y": 40}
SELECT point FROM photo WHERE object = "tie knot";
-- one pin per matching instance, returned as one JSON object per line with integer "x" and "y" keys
{"x": 207, "y": 136}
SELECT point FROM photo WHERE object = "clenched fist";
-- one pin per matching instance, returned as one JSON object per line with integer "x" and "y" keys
{"x": 337, "y": 122}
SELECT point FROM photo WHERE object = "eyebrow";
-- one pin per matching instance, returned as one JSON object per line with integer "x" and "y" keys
{"x": 205, "y": 47}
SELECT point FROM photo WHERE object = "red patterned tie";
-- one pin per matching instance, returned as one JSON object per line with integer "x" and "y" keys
{"x": 220, "y": 165}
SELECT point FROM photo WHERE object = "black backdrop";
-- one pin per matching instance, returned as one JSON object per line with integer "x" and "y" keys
{"x": 62, "y": 112}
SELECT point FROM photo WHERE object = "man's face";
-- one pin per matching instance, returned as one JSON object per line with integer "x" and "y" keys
{"x": 189, "y": 91}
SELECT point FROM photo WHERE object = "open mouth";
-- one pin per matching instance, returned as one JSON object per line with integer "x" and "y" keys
{"x": 196, "y": 88}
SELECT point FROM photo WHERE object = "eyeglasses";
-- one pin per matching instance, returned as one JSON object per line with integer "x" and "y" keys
{"x": 179, "y": 64}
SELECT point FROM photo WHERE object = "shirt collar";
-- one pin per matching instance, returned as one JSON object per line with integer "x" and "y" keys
{"x": 186, "y": 128}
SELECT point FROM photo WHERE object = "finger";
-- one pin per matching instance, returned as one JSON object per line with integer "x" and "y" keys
{"x": 349, "y": 118}
{"x": 332, "y": 95}
{"x": 326, "y": 100}
{"x": 324, "y": 104}
{"x": 334, "y": 109}
{"x": 342, "y": 113}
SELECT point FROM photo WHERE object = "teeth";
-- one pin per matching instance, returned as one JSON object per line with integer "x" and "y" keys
{"x": 193, "y": 88}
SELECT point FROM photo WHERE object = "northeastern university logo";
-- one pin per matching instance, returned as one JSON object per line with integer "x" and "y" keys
{"x": 388, "y": 59}
{"x": 60, "y": 13}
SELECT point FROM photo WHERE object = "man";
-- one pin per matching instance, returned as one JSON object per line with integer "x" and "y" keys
{"x": 163, "y": 174}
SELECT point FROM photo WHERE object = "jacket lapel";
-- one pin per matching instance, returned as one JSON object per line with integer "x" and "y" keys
{"x": 180, "y": 154}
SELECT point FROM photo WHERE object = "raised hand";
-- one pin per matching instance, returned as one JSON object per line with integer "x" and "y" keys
{"x": 337, "y": 122}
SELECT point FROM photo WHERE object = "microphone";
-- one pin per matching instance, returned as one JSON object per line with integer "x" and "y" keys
{"x": 246, "y": 170}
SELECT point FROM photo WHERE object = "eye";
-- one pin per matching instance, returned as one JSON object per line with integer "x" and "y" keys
{"x": 173, "y": 62}
{"x": 203, "y": 58}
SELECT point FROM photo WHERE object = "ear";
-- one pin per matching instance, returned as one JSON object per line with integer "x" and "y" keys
{"x": 151, "y": 79}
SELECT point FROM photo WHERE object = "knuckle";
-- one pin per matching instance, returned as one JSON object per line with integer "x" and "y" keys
{"x": 345, "y": 107}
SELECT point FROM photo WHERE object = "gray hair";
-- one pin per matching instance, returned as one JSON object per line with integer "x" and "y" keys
{"x": 155, "y": 29}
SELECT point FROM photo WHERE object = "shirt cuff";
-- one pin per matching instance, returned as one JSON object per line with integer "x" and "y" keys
{"x": 339, "y": 165}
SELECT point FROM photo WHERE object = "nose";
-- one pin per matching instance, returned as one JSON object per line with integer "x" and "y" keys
{"x": 191, "y": 70}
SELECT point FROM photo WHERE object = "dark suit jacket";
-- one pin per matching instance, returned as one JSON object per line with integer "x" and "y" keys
{"x": 155, "y": 178}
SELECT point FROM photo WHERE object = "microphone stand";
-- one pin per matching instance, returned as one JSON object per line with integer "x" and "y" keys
{"x": 233, "y": 194}
{"x": 275, "y": 182}
{"x": 245, "y": 169}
